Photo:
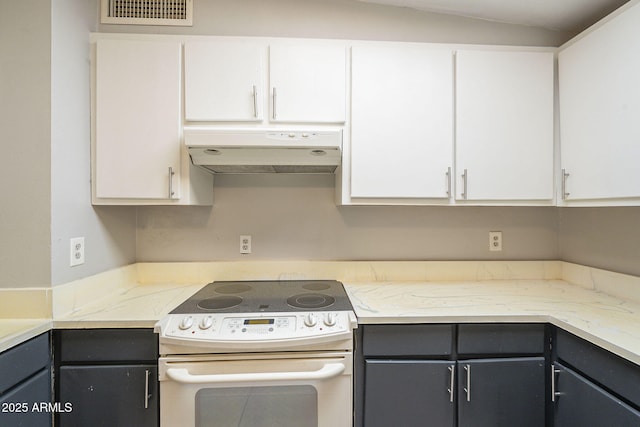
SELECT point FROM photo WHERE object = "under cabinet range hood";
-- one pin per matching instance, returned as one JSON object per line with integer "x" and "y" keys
{"x": 264, "y": 151}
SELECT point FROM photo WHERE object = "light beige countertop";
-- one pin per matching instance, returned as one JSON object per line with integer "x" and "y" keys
{"x": 607, "y": 321}
{"x": 136, "y": 307}
{"x": 600, "y": 306}
{"x": 16, "y": 331}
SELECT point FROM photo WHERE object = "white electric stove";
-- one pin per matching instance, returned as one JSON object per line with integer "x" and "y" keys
{"x": 258, "y": 354}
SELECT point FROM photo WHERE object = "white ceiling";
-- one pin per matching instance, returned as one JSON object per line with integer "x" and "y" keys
{"x": 565, "y": 15}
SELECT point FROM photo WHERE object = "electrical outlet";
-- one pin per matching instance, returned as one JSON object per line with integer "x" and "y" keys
{"x": 245, "y": 244}
{"x": 76, "y": 256}
{"x": 495, "y": 241}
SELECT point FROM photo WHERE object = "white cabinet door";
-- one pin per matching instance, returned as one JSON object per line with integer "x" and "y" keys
{"x": 599, "y": 88}
{"x": 504, "y": 125}
{"x": 223, "y": 81}
{"x": 402, "y": 121}
{"x": 137, "y": 123}
{"x": 308, "y": 82}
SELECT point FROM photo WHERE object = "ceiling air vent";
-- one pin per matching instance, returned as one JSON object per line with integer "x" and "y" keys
{"x": 147, "y": 12}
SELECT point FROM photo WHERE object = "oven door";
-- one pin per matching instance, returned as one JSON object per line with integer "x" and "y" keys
{"x": 283, "y": 390}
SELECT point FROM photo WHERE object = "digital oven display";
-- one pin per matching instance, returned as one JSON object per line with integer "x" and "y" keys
{"x": 258, "y": 321}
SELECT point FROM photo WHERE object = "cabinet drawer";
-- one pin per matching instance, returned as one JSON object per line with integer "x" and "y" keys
{"x": 407, "y": 340}
{"x": 611, "y": 371}
{"x": 95, "y": 345}
{"x": 20, "y": 362}
{"x": 501, "y": 339}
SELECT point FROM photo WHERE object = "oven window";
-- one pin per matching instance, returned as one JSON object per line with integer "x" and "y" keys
{"x": 278, "y": 406}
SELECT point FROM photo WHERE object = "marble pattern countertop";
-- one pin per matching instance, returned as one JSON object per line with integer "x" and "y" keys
{"x": 600, "y": 306}
{"x": 607, "y": 321}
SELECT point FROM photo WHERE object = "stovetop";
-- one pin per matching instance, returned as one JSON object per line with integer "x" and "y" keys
{"x": 272, "y": 296}
{"x": 260, "y": 316}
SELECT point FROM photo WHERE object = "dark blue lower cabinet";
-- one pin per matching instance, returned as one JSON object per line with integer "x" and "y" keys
{"x": 408, "y": 393}
{"x": 25, "y": 384}
{"x": 580, "y": 402}
{"x": 501, "y": 392}
{"x": 109, "y": 395}
{"x": 29, "y": 403}
{"x": 109, "y": 376}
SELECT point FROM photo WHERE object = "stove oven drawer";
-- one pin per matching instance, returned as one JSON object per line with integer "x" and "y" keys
{"x": 256, "y": 391}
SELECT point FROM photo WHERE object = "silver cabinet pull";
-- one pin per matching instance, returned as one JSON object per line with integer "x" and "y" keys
{"x": 467, "y": 389}
{"x": 465, "y": 176}
{"x": 255, "y": 101}
{"x": 274, "y": 103}
{"x": 565, "y": 175}
{"x": 146, "y": 388}
{"x": 452, "y": 382}
{"x": 554, "y": 393}
{"x": 448, "y": 173}
{"x": 171, "y": 174}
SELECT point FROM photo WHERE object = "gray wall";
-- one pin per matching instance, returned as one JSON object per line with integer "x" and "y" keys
{"x": 607, "y": 238}
{"x": 25, "y": 71}
{"x": 296, "y": 218}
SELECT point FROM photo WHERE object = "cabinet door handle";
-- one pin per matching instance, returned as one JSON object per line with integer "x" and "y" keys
{"x": 554, "y": 393}
{"x": 465, "y": 177}
{"x": 448, "y": 174}
{"x": 146, "y": 388}
{"x": 467, "y": 389}
{"x": 171, "y": 174}
{"x": 565, "y": 175}
{"x": 255, "y": 102}
{"x": 274, "y": 103}
{"x": 452, "y": 382}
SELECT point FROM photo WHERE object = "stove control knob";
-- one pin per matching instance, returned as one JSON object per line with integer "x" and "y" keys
{"x": 310, "y": 320}
{"x": 186, "y": 323}
{"x": 330, "y": 319}
{"x": 206, "y": 322}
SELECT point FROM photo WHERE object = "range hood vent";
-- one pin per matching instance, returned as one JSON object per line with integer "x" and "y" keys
{"x": 264, "y": 151}
{"x": 147, "y": 12}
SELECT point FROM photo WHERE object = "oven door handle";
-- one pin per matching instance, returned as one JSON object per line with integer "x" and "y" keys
{"x": 182, "y": 375}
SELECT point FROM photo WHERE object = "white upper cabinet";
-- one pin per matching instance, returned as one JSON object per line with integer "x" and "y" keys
{"x": 137, "y": 119}
{"x": 599, "y": 90}
{"x": 504, "y": 125}
{"x": 223, "y": 81}
{"x": 307, "y": 82}
{"x": 401, "y": 121}
{"x": 137, "y": 157}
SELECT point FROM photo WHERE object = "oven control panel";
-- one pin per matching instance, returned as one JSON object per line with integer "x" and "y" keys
{"x": 265, "y": 326}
